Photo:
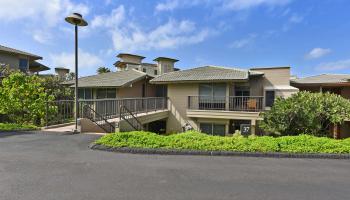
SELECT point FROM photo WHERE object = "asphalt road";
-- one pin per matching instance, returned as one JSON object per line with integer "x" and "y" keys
{"x": 55, "y": 166}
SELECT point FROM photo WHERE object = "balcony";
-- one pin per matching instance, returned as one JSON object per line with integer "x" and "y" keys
{"x": 232, "y": 103}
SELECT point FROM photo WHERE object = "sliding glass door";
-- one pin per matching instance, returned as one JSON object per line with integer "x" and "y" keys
{"x": 212, "y": 96}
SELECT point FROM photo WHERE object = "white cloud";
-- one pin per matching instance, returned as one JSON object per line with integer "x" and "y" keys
{"x": 168, "y": 5}
{"x": 333, "y": 66}
{"x": 247, "y": 4}
{"x": 44, "y": 11}
{"x": 317, "y": 53}
{"x": 129, "y": 36}
{"x": 243, "y": 42}
{"x": 223, "y": 4}
{"x": 86, "y": 60}
{"x": 40, "y": 15}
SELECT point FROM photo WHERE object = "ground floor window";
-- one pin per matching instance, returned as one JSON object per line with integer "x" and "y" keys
{"x": 85, "y": 93}
{"x": 213, "y": 129}
{"x": 106, "y": 93}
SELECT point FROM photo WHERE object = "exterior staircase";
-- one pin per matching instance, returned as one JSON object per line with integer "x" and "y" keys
{"x": 129, "y": 117}
{"x": 99, "y": 120}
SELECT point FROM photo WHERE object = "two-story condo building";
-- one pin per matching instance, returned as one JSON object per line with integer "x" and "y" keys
{"x": 216, "y": 100}
{"x": 220, "y": 100}
{"x": 21, "y": 60}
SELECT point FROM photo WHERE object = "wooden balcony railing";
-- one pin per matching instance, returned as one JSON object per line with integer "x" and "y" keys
{"x": 233, "y": 103}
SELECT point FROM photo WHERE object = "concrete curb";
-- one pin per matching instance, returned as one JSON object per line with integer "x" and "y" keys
{"x": 218, "y": 153}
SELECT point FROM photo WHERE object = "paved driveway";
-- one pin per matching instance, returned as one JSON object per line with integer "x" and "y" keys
{"x": 55, "y": 166}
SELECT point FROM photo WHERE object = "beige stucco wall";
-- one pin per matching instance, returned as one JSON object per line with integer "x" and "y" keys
{"x": 165, "y": 66}
{"x": 135, "y": 90}
{"x": 130, "y": 58}
{"x": 177, "y": 104}
{"x": 275, "y": 76}
{"x": 11, "y": 60}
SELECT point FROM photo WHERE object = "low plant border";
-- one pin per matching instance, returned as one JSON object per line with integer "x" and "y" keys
{"x": 217, "y": 153}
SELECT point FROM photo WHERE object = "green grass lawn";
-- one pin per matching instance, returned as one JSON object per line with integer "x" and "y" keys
{"x": 198, "y": 141}
{"x": 16, "y": 127}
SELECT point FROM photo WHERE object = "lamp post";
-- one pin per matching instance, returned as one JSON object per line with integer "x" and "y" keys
{"x": 77, "y": 20}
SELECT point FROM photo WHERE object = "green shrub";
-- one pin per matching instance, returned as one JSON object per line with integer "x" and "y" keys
{"x": 198, "y": 141}
{"x": 23, "y": 98}
{"x": 306, "y": 113}
{"x": 15, "y": 127}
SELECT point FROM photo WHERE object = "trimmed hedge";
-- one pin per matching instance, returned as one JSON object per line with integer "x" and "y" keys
{"x": 198, "y": 141}
{"x": 16, "y": 127}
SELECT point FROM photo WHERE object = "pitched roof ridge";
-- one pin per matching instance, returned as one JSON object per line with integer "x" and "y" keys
{"x": 135, "y": 70}
{"x": 20, "y": 51}
{"x": 228, "y": 67}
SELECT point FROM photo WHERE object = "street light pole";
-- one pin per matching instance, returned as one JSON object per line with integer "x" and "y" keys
{"x": 76, "y": 80}
{"x": 77, "y": 20}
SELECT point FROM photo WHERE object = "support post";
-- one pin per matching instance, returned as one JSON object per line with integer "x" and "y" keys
{"x": 76, "y": 80}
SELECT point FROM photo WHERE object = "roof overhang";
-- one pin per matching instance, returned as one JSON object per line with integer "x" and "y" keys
{"x": 198, "y": 81}
{"x": 281, "y": 87}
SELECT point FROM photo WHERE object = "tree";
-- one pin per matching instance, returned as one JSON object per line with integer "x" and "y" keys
{"x": 53, "y": 86}
{"x": 70, "y": 76}
{"x": 306, "y": 113}
{"x": 102, "y": 70}
{"x": 23, "y": 98}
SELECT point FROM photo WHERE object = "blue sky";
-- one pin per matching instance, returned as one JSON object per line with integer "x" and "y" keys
{"x": 311, "y": 36}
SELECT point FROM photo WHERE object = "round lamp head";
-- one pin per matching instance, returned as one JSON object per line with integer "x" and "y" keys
{"x": 76, "y": 19}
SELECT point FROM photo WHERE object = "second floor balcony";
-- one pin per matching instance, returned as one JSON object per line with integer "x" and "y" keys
{"x": 228, "y": 103}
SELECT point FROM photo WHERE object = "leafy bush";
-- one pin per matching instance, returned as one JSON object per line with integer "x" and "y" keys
{"x": 14, "y": 127}
{"x": 306, "y": 113}
{"x": 23, "y": 98}
{"x": 198, "y": 141}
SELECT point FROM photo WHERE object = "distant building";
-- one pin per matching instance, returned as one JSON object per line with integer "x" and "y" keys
{"x": 21, "y": 60}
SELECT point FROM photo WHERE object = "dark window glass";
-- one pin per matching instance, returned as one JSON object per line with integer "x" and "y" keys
{"x": 144, "y": 70}
{"x": 206, "y": 128}
{"x": 88, "y": 93}
{"x": 23, "y": 64}
{"x": 219, "y": 129}
{"x": 155, "y": 72}
{"x": 81, "y": 94}
{"x": 242, "y": 91}
{"x": 270, "y": 98}
{"x": 161, "y": 91}
{"x": 101, "y": 93}
{"x": 111, "y": 93}
{"x": 213, "y": 129}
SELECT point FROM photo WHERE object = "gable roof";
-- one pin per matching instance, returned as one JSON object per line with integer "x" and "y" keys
{"x": 205, "y": 73}
{"x": 110, "y": 79}
{"x": 323, "y": 79}
{"x": 19, "y": 52}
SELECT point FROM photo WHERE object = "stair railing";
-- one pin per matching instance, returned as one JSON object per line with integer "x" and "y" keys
{"x": 98, "y": 119}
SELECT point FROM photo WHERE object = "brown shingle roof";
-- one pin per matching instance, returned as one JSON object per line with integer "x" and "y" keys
{"x": 206, "y": 73}
{"x": 323, "y": 79}
{"x": 110, "y": 79}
